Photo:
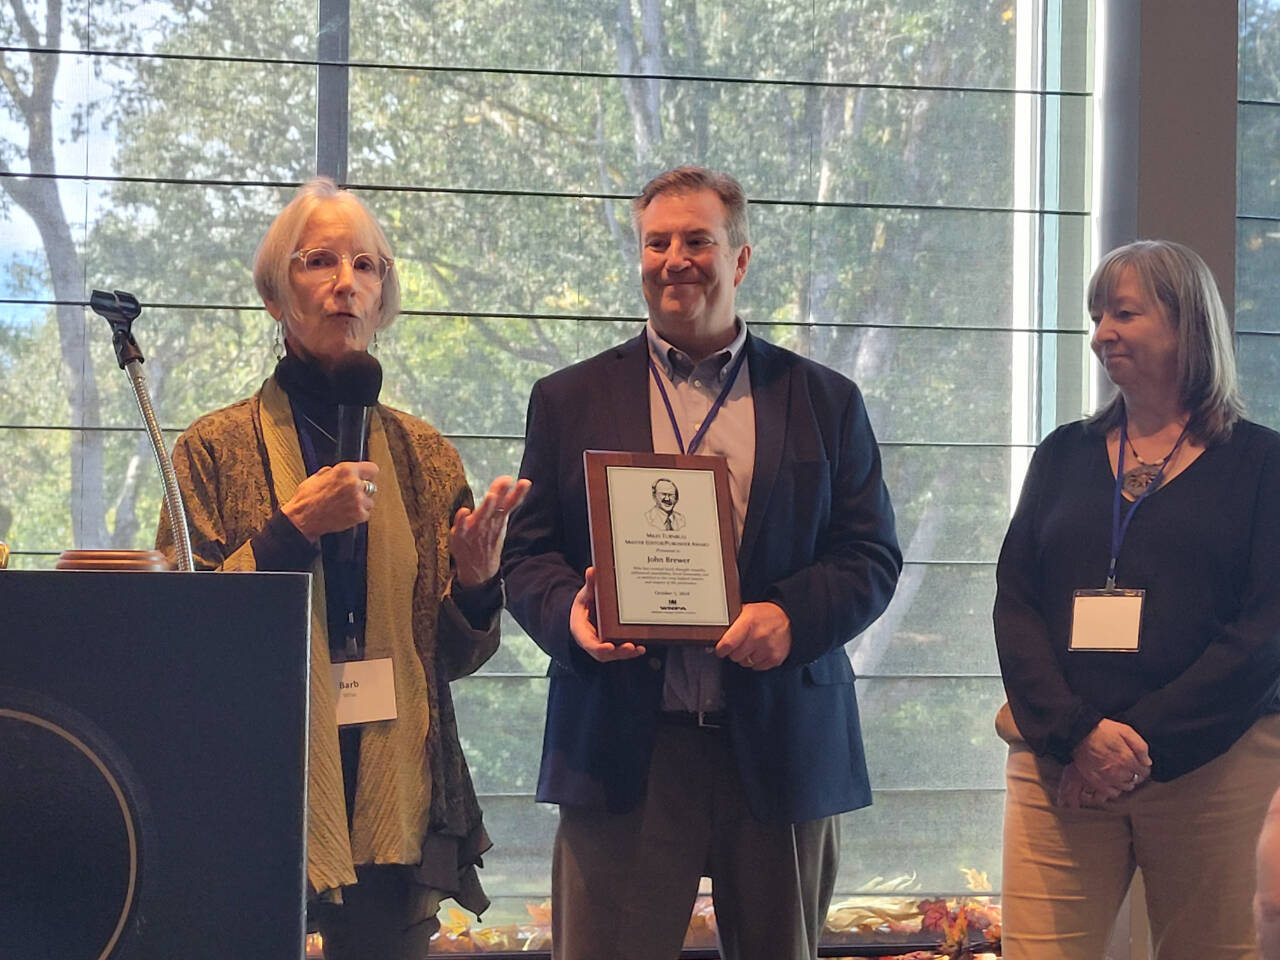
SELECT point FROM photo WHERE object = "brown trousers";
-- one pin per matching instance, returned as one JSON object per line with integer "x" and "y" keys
{"x": 1066, "y": 871}
{"x": 623, "y": 885}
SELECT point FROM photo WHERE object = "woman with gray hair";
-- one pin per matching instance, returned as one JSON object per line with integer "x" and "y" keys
{"x": 393, "y": 822}
{"x": 1137, "y": 618}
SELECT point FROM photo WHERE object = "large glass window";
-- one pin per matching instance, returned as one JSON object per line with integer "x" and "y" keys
{"x": 918, "y": 173}
{"x": 1258, "y": 206}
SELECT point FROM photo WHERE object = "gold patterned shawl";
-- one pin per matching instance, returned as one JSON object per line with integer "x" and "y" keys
{"x": 235, "y": 466}
{"x": 394, "y": 785}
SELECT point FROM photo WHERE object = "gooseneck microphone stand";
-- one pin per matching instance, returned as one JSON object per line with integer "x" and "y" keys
{"x": 120, "y": 309}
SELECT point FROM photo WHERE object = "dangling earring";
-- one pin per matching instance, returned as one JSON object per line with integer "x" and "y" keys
{"x": 277, "y": 345}
{"x": 374, "y": 345}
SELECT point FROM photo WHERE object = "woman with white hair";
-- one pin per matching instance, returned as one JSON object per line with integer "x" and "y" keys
{"x": 393, "y": 822}
{"x": 1137, "y": 619}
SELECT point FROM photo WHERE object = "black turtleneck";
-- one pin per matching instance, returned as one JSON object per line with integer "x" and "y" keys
{"x": 315, "y": 415}
{"x": 281, "y": 546}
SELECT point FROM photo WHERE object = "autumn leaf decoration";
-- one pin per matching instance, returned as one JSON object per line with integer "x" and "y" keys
{"x": 955, "y": 935}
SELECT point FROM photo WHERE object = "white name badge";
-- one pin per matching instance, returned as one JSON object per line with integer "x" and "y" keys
{"x": 366, "y": 690}
{"x": 1106, "y": 620}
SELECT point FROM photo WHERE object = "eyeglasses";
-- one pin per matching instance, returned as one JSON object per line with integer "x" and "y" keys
{"x": 320, "y": 264}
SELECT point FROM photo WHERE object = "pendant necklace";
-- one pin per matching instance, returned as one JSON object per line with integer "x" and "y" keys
{"x": 334, "y": 440}
{"x": 1141, "y": 475}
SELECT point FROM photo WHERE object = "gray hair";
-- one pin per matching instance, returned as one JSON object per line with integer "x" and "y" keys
{"x": 690, "y": 180}
{"x": 1177, "y": 277}
{"x": 271, "y": 262}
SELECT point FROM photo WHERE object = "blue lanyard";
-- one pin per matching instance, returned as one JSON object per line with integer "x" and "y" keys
{"x": 715, "y": 407}
{"x": 349, "y": 576}
{"x": 1120, "y": 528}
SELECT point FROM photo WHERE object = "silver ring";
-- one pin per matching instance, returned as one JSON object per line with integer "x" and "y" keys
{"x": 500, "y": 509}
{"x": 1134, "y": 778}
{"x": 370, "y": 488}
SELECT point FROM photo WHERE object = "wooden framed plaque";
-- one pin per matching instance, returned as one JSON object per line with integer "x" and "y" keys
{"x": 663, "y": 547}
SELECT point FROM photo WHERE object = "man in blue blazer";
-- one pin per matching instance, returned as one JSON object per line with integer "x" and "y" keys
{"x": 671, "y": 763}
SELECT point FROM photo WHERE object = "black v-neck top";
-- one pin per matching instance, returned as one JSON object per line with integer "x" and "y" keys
{"x": 1205, "y": 547}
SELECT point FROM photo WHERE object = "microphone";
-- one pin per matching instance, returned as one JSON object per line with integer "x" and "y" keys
{"x": 356, "y": 381}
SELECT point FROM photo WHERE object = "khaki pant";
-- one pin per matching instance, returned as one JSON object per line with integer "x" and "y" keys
{"x": 623, "y": 885}
{"x": 1066, "y": 872}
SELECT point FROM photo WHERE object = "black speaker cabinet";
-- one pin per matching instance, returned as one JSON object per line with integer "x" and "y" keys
{"x": 153, "y": 731}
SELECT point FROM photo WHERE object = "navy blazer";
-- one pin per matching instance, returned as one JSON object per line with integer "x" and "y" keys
{"x": 818, "y": 540}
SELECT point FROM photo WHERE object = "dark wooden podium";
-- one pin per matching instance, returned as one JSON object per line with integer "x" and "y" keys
{"x": 153, "y": 731}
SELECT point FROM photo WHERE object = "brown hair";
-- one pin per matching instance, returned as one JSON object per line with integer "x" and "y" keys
{"x": 1177, "y": 277}
{"x": 690, "y": 180}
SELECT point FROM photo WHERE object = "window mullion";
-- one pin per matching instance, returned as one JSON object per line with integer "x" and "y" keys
{"x": 333, "y": 44}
